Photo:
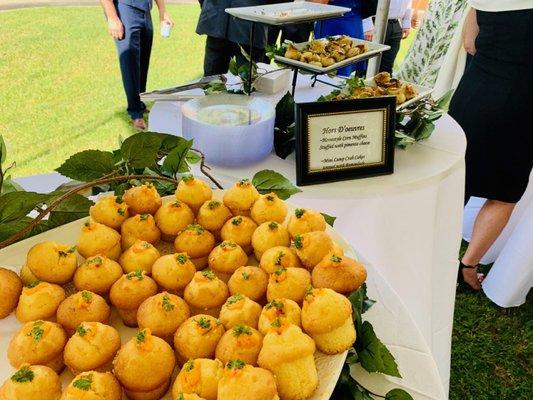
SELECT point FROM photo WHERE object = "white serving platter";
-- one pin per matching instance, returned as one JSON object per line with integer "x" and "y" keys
{"x": 287, "y": 13}
{"x": 373, "y": 49}
{"x": 13, "y": 257}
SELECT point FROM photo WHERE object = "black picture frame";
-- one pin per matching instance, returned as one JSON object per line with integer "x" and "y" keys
{"x": 305, "y": 175}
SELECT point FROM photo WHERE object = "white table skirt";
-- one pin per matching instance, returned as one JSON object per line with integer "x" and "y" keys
{"x": 511, "y": 276}
{"x": 407, "y": 224}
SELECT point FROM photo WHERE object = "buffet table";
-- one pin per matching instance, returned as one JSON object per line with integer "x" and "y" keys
{"x": 408, "y": 224}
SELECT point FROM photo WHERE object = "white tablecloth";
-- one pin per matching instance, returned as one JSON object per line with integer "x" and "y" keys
{"x": 407, "y": 224}
{"x": 511, "y": 276}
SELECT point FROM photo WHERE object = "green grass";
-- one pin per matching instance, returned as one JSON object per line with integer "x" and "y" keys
{"x": 61, "y": 92}
{"x": 61, "y": 85}
{"x": 491, "y": 348}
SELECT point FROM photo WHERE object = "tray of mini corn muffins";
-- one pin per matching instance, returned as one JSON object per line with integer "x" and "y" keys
{"x": 203, "y": 295}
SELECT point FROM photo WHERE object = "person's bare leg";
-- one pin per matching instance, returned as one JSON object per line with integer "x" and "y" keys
{"x": 489, "y": 223}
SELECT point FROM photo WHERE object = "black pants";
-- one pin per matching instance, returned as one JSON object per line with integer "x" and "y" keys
{"x": 393, "y": 38}
{"x": 219, "y": 52}
{"x": 134, "y": 54}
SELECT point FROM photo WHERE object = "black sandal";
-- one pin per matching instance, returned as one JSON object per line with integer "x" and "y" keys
{"x": 461, "y": 283}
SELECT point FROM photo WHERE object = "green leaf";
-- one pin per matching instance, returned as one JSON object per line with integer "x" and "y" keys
{"x": 71, "y": 209}
{"x": 193, "y": 157}
{"x": 374, "y": 355}
{"x": 425, "y": 130}
{"x": 9, "y": 185}
{"x": 345, "y": 384}
{"x": 176, "y": 160}
{"x": 3, "y": 150}
{"x": 285, "y": 112}
{"x": 88, "y": 165}
{"x": 140, "y": 150}
{"x": 16, "y": 205}
{"x": 398, "y": 394}
{"x": 8, "y": 229}
{"x": 361, "y": 394}
{"x": 233, "y": 69}
{"x": 444, "y": 102}
{"x": 267, "y": 181}
{"x": 330, "y": 220}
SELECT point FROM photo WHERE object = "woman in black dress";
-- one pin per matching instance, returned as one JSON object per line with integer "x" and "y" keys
{"x": 494, "y": 105}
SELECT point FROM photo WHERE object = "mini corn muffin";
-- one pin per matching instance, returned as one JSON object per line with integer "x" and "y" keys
{"x": 312, "y": 247}
{"x": 197, "y": 242}
{"x": 241, "y": 197}
{"x": 129, "y": 292}
{"x": 188, "y": 396}
{"x": 241, "y": 381}
{"x": 139, "y": 227}
{"x": 81, "y": 307}
{"x": 197, "y": 338}
{"x": 239, "y": 309}
{"x": 193, "y": 192}
{"x": 205, "y": 294}
{"x": 144, "y": 364}
{"x": 240, "y": 342}
{"x": 142, "y": 199}
{"x": 173, "y": 272}
{"x": 304, "y": 221}
{"x": 96, "y": 238}
{"x": 279, "y": 256}
{"x": 93, "y": 385}
{"x": 249, "y": 281}
{"x": 27, "y": 276}
{"x": 342, "y": 274}
{"x": 200, "y": 377}
{"x": 287, "y": 352}
{"x": 92, "y": 347}
{"x": 39, "y": 300}
{"x": 163, "y": 313}
{"x": 288, "y": 283}
{"x": 141, "y": 255}
{"x": 172, "y": 218}
{"x": 212, "y": 215}
{"x": 154, "y": 394}
{"x": 11, "y": 288}
{"x": 282, "y": 310}
{"x": 97, "y": 274}
{"x": 38, "y": 343}
{"x": 239, "y": 229}
{"x": 333, "y": 332}
{"x": 32, "y": 382}
{"x": 110, "y": 210}
{"x": 268, "y": 235}
{"x": 225, "y": 258}
{"x": 269, "y": 207}
{"x": 53, "y": 262}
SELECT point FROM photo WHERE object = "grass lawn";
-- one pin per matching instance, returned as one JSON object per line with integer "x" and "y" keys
{"x": 61, "y": 85}
{"x": 61, "y": 92}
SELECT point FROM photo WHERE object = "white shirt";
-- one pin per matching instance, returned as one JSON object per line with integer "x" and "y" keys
{"x": 501, "y": 5}
{"x": 398, "y": 9}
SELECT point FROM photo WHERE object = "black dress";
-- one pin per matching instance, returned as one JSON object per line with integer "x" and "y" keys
{"x": 494, "y": 105}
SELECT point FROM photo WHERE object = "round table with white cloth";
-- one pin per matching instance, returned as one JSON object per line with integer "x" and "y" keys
{"x": 408, "y": 224}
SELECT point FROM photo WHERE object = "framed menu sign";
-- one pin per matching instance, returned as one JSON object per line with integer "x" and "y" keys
{"x": 338, "y": 140}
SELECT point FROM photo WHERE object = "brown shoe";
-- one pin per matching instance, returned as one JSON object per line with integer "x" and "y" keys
{"x": 139, "y": 124}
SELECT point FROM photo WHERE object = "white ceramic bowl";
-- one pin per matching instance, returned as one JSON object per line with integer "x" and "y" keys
{"x": 230, "y": 129}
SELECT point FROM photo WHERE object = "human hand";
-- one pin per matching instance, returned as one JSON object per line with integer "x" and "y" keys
{"x": 405, "y": 32}
{"x": 164, "y": 18}
{"x": 369, "y": 35}
{"x": 115, "y": 28}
